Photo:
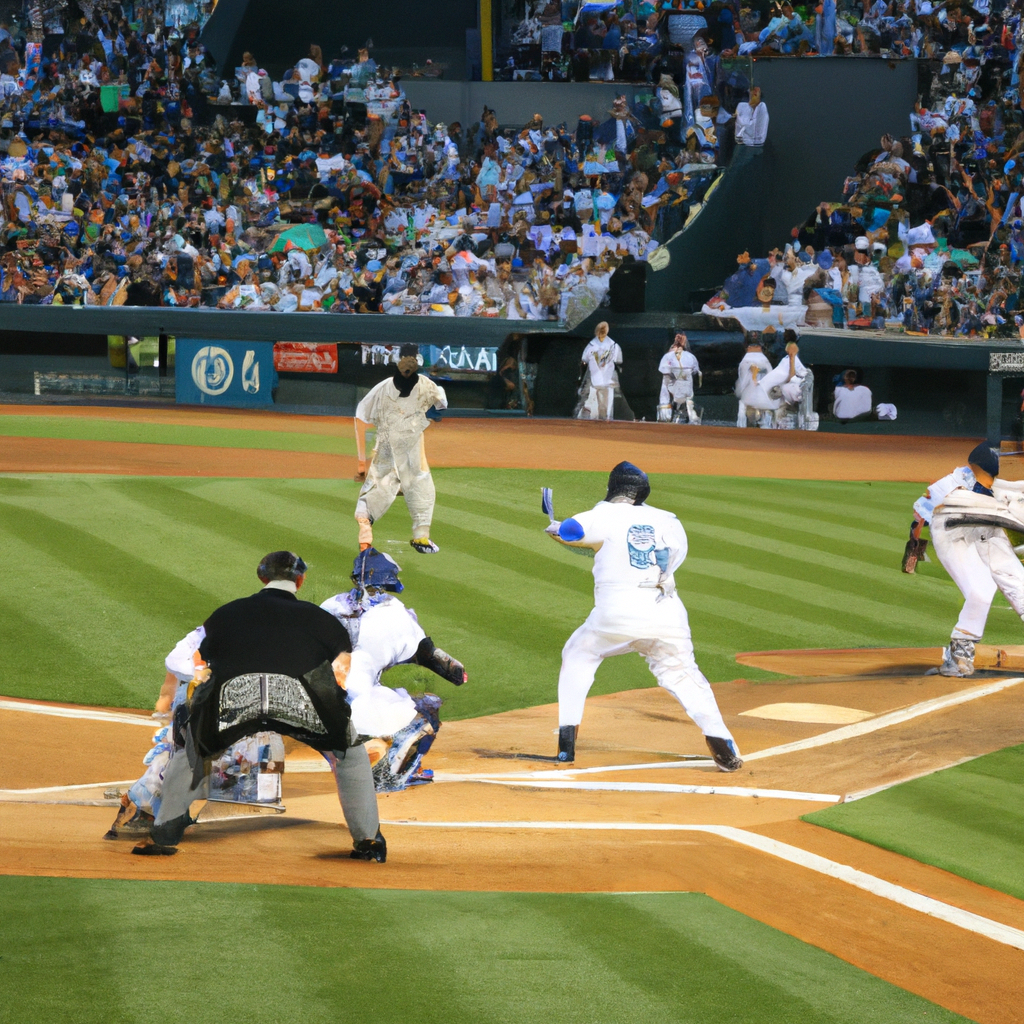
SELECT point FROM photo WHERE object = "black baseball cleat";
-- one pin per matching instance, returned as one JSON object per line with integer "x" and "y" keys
{"x": 370, "y": 849}
{"x": 148, "y": 848}
{"x": 724, "y": 752}
{"x": 567, "y": 743}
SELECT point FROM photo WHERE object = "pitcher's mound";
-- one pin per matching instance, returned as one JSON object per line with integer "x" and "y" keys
{"x": 863, "y": 661}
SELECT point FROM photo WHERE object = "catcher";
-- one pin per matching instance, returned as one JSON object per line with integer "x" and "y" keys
{"x": 398, "y": 729}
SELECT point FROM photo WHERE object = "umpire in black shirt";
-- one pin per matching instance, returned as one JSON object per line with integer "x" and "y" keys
{"x": 271, "y": 662}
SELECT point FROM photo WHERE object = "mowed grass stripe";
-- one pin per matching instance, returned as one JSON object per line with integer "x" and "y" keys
{"x": 672, "y": 958}
{"x": 109, "y": 567}
{"x": 126, "y": 431}
{"x": 70, "y": 653}
{"x": 968, "y": 819}
{"x": 875, "y": 504}
{"x": 832, "y": 602}
{"x": 501, "y": 596}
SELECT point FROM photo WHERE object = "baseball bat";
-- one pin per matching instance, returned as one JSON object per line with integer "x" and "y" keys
{"x": 547, "y": 504}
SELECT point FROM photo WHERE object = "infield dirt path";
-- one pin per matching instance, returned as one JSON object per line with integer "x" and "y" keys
{"x": 480, "y": 765}
{"x": 502, "y": 444}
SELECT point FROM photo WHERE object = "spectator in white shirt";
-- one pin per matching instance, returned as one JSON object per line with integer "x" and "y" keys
{"x": 752, "y": 120}
{"x": 852, "y": 401}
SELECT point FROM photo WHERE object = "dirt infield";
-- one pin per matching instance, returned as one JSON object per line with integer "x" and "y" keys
{"x": 496, "y": 443}
{"x": 489, "y": 823}
{"x": 480, "y": 764}
{"x": 878, "y": 660}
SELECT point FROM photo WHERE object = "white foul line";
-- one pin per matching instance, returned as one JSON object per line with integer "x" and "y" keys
{"x": 645, "y": 787}
{"x": 95, "y": 716}
{"x": 65, "y": 789}
{"x": 964, "y": 919}
{"x": 849, "y": 798}
{"x": 892, "y": 718}
{"x": 846, "y": 732}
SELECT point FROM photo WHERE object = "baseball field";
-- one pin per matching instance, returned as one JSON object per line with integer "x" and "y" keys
{"x": 864, "y": 865}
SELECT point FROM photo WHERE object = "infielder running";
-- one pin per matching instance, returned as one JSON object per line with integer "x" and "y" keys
{"x": 637, "y": 548}
{"x": 401, "y": 409}
{"x": 678, "y": 367}
{"x": 399, "y": 729}
{"x": 969, "y": 536}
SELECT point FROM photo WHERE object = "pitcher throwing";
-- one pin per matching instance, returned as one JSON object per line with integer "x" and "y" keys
{"x": 636, "y": 549}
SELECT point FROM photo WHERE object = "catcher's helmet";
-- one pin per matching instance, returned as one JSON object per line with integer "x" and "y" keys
{"x": 628, "y": 481}
{"x": 373, "y": 568}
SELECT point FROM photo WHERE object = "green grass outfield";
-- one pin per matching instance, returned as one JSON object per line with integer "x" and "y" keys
{"x": 108, "y": 573}
{"x": 968, "y": 819}
{"x": 71, "y": 428}
{"x": 119, "y": 952}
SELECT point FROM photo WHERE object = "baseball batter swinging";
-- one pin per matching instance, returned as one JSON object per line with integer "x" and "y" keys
{"x": 401, "y": 409}
{"x": 637, "y": 548}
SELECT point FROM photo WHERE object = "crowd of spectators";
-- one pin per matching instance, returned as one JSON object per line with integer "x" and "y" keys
{"x": 627, "y": 40}
{"x": 134, "y": 171}
{"x": 928, "y": 236}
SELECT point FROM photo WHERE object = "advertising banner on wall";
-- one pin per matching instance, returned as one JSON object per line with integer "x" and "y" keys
{"x": 305, "y": 357}
{"x": 238, "y": 373}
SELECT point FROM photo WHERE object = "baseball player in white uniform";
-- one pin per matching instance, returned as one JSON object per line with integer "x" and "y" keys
{"x": 678, "y": 367}
{"x": 969, "y": 536}
{"x": 753, "y": 366}
{"x": 601, "y": 356}
{"x": 401, "y": 409}
{"x": 141, "y": 804}
{"x": 385, "y": 633}
{"x": 637, "y": 548}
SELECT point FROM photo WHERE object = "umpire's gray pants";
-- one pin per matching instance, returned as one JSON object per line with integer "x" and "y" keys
{"x": 352, "y": 775}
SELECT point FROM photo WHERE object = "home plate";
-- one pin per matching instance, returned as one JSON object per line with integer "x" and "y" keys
{"x": 830, "y": 714}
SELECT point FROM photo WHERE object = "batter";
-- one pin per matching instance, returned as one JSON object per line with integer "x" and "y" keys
{"x": 401, "y": 409}
{"x": 677, "y": 368}
{"x": 637, "y": 549}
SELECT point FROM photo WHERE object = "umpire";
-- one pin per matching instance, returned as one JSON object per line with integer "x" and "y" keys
{"x": 271, "y": 662}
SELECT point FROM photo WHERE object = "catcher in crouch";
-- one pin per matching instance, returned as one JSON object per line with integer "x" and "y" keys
{"x": 401, "y": 408}
{"x": 398, "y": 728}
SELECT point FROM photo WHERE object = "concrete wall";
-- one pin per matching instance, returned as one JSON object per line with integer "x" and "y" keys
{"x": 825, "y": 113}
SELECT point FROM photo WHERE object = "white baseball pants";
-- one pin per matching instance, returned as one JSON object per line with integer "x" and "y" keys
{"x": 407, "y": 472}
{"x": 605, "y": 401}
{"x": 670, "y": 660}
{"x": 980, "y": 560}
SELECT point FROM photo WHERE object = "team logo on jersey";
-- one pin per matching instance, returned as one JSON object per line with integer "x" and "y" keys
{"x": 640, "y": 542}
{"x": 212, "y": 370}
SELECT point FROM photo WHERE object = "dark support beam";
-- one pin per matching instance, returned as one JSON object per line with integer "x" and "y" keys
{"x": 162, "y": 354}
{"x": 994, "y": 409}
